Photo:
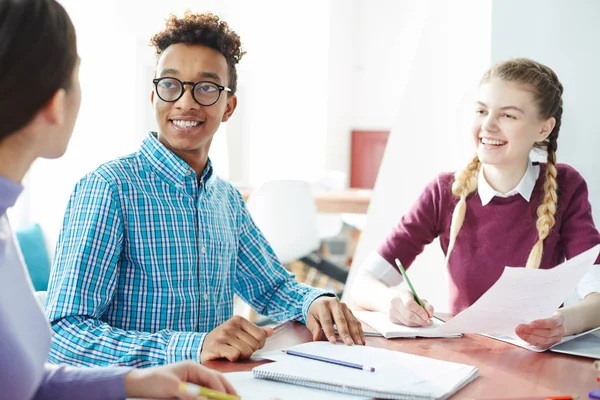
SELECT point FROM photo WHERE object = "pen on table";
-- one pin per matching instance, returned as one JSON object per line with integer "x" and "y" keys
{"x": 329, "y": 360}
{"x": 410, "y": 286}
{"x": 195, "y": 390}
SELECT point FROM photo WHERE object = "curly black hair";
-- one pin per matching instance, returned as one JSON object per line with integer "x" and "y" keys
{"x": 205, "y": 29}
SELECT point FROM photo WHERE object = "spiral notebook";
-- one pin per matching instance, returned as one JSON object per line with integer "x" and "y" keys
{"x": 397, "y": 375}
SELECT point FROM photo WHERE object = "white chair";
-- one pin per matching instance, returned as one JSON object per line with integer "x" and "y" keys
{"x": 286, "y": 213}
{"x": 330, "y": 225}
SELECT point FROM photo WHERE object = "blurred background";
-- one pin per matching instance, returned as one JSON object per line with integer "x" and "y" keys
{"x": 364, "y": 101}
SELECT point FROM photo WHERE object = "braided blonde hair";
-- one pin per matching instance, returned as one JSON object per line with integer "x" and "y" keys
{"x": 465, "y": 183}
{"x": 548, "y": 95}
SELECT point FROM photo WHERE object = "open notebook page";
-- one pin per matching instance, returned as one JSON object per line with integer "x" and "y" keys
{"x": 381, "y": 322}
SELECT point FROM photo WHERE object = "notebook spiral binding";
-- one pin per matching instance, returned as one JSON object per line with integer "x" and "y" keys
{"x": 356, "y": 391}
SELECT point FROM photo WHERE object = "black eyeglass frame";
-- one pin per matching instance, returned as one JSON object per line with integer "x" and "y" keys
{"x": 221, "y": 88}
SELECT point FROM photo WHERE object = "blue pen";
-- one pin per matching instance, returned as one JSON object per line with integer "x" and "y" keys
{"x": 329, "y": 360}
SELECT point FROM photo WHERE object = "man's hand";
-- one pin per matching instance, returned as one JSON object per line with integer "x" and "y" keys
{"x": 326, "y": 311}
{"x": 543, "y": 333}
{"x": 235, "y": 339}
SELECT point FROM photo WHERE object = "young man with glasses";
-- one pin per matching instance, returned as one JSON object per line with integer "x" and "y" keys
{"x": 154, "y": 245}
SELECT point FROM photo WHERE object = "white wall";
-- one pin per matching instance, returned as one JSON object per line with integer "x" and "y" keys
{"x": 285, "y": 73}
{"x": 564, "y": 35}
{"x": 279, "y": 130}
{"x": 445, "y": 49}
{"x": 344, "y": 32}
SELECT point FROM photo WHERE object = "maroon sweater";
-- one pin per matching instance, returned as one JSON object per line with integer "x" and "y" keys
{"x": 500, "y": 234}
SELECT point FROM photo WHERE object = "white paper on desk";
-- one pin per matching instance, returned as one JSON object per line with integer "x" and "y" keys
{"x": 522, "y": 295}
{"x": 517, "y": 341}
{"x": 381, "y": 322}
{"x": 250, "y": 388}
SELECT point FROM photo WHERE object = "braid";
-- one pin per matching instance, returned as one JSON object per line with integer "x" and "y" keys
{"x": 465, "y": 183}
{"x": 547, "y": 209}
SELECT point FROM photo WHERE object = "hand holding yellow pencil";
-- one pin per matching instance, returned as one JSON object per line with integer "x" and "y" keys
{"x": 196, "y": 391}
{"x": 179, "y": 380}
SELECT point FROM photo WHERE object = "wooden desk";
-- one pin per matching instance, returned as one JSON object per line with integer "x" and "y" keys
{"x": 345, "y": 201}
{"x": 504, "y": 370}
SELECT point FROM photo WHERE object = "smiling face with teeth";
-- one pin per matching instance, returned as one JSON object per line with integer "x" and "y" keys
{"x": 184, "y": 126}
{"x": 507, "y": 124}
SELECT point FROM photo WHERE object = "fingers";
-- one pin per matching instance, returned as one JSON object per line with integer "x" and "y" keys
{"x": 406, "y": 311}
{"x": 201, "y": 375}
{"x": 416, "y": 313}
{"x": 545, "y": 332}
{"x": 314, "y": 327}
{"x": 324, "y": 318}
{"x": 236, "y": 338}
{"x": 428, "y": 308}
{"x": 355, "y": 327}
{"x": 336, "y": 310}
{"x": 548, "y": 323}
{"x": 249, "y": 340}
{"x": 268, "y": 331}
{"x": 256, "y": 332}
{"x": 349, "y": 328}
{"x": 539, "y": 341}
{"x": 238, "y": 350}
{"x": 559, "y": 331}
{"x": 325, "y": 312}
{"x": 228, "y": 386}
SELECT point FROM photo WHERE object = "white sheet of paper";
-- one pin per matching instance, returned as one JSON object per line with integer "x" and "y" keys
{"x": 250, "y": 388}
{"x": 522, "y": 295}
{"x": 517, "y": 341}
{"x": 381, "y": 322}
{"x": 585, "y": 346}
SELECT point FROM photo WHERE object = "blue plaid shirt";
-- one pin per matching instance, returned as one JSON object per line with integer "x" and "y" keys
{"x": 148, "y": 261}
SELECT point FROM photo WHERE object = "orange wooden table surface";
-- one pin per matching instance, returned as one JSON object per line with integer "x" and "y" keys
{"x": 505, "y": 371}
{"x": 340, "y": 201}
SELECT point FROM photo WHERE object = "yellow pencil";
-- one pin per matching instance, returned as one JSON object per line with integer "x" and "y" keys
{"x": 195, "y": 390}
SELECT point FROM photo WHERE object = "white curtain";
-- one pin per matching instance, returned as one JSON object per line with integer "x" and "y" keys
{"x": 447, "y": 46}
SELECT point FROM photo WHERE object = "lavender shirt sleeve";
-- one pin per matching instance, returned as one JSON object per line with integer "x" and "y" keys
{"x": 25, "y": 334}
{"x": 60, "y": 382}
{"x": 23, "y": 375}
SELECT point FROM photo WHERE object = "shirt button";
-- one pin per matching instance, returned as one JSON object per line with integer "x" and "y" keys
{"x": 188, "y": 173}
{"x": 203, "y": 249}
{"x": 205, "y": 296}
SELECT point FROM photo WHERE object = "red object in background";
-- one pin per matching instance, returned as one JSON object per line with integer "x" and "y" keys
{"x": 366, "y": 153}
